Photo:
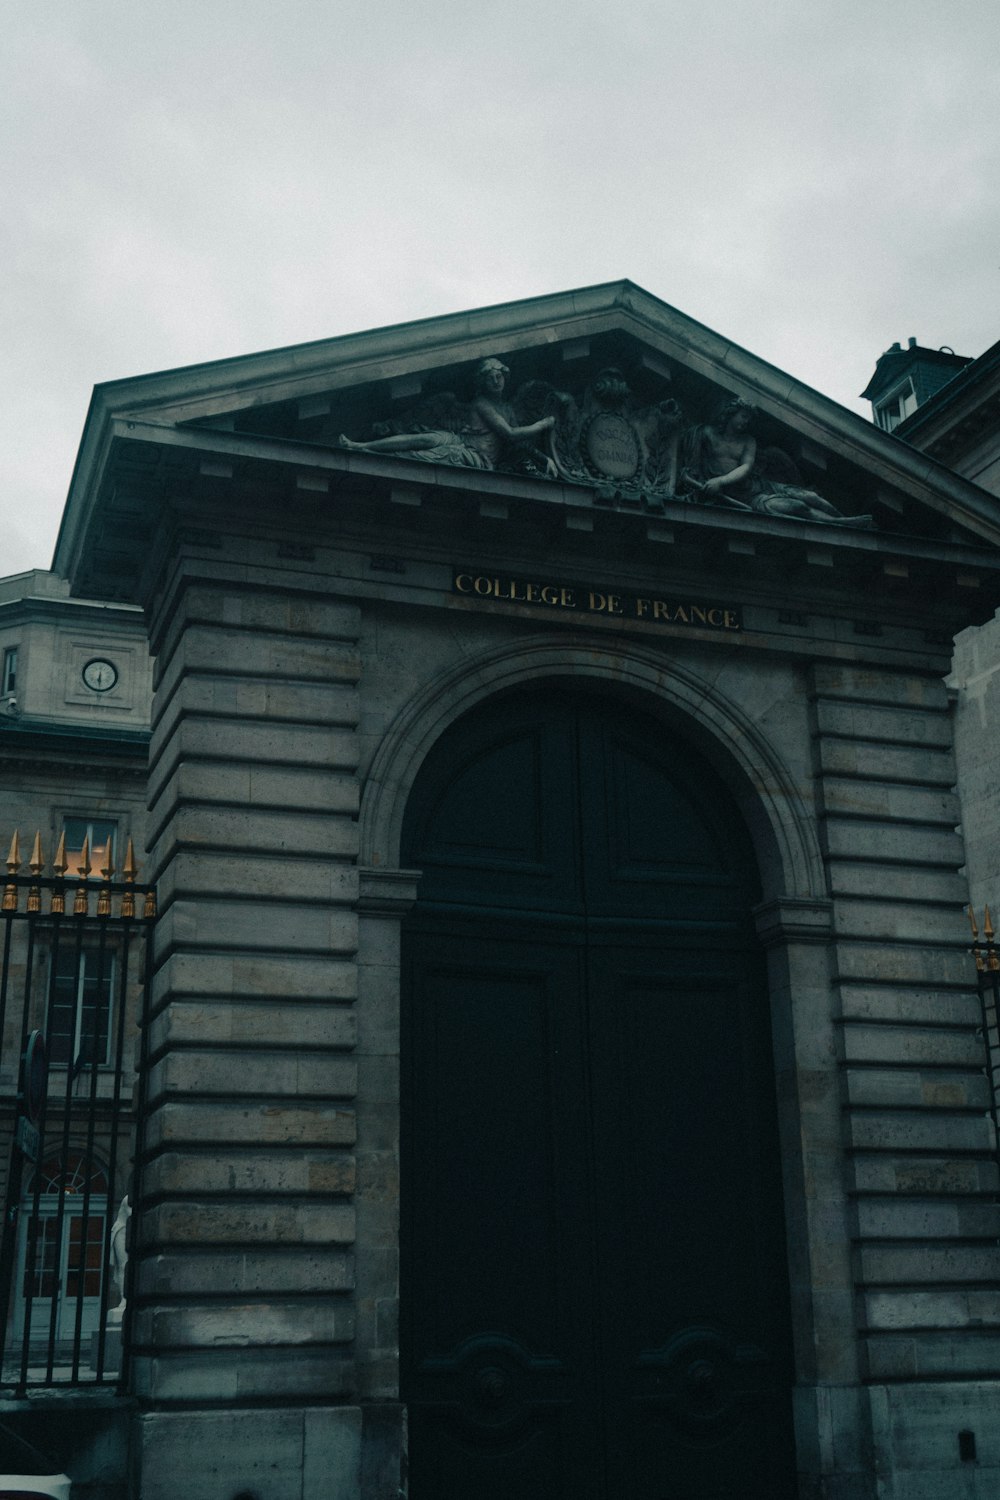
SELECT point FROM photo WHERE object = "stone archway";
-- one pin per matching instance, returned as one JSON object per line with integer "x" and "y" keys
{"x": 594, "y": 1288}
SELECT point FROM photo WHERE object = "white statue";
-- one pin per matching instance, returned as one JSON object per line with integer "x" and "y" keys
{"x": 119, "y": 1257}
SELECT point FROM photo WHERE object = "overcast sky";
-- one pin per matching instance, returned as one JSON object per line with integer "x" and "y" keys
{"x": 181, "y": 182}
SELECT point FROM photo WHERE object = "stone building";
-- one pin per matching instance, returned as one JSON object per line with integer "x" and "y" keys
{"x": 74, "y": 733}
{"x": 953, "y": 416}
{"x": 564, "y": 1069}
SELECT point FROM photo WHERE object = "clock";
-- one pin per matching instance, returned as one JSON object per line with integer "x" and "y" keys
{"x": 100, "y": 675}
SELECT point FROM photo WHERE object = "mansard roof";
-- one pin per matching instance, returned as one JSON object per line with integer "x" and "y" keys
{"x": 285, "y": 409}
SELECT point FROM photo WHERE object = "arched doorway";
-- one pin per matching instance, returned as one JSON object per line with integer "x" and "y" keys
{"x": 593, "y": 1282}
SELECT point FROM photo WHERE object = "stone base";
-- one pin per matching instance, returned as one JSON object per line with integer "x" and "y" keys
{"x": 289, "y": 1453}
{"x": 112, "y": 1349}
{"x": 919, "y": 1454}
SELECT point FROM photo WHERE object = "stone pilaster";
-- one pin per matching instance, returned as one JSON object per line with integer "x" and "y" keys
{"x": 246, "y": 1267}
{"x": 920, "y": 1165}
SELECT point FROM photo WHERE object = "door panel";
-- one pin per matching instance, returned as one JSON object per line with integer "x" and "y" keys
{"x": 593, "y": 1285}
{"x": 500, "y": 1364}
{"x": 696, "y": 1336}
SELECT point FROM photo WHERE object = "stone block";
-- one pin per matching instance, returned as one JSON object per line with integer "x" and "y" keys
{"x": 235, "y": 605}
{"x": 918, "y": 1130}
{"x": 264, "y": 877}
{"x": 911, "y": 1088}
{"x": 914, "y": 1218}
{"x": 216, "y": 649}
{"x": 886, "y": 801}
{"x": 920, "y": 1005}
{"x": 896, "y": 882}
{"x": 270, "y": 1222}
{"x": 221, "y": 1454}
{"x": 931, "y": 966}
{"x": 873, "y": 722}
{"x": 332, "y": 1454}
{"x": 912, "y": 844}
{"x": 881, "y": 920}
{"x": 244, "y": 1374}
{"x": 248, "y": 976}
{"x": 378, "y": 1005}
{"x": 926, "y": 1175}
{"x": 271, "y": 1073}
{"x": 915, "y": 1307}
{"x": 383, "y": 1463}
{"x": 267, "y": 1122}
{"x": 932, "y": 765}
{"x": 247, "y": 925}
{"x": 929, "y": 1263}
{"x": 862, "y": 684}
{"x": 256, "y": 831}
{"x": 249, "y": 1171}
{"x": 296, "y": 788}
{"x": 273, "y": 1023}
{"x": 282, "y": 1272}
{"x": 334, "y": 705}
{"x": 917, "y": 1429}
{"x": 925, "y": 1355}
{"x": 901, "y": 1044}
{"x": 302, "y": 1321}
{"x": 258, "y": 742}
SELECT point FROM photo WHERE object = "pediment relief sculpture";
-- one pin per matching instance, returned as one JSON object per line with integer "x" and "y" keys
{"x": 634, "y": 453}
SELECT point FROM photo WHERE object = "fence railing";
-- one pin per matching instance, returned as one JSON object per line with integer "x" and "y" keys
{"x": 74, "y": 977}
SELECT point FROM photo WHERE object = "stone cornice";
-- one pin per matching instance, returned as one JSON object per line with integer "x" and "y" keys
{"x": 794, "y": 919}
{"x": 387, "y": 893}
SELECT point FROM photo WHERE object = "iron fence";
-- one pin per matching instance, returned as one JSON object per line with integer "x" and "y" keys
{"x": 74, "y": 978}
{"x": 987, "y": 957}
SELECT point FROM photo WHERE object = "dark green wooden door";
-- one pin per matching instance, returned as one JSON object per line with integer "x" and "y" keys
{"x": 593, "y": 1284}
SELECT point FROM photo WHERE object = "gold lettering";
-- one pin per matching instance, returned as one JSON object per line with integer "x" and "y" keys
{"x": 594, "y": 598}
{"x": 731, "y": 621}
{"x": 661, "y": 611}
{"x": 614, "y": 604}
{"x": 483, "y": 586}
{"x": 549, "y": 594}
{"x": 463, "y": 588}
{"x": 697, "y": 613}
{"x": 566, "y": 599}
{"x": 512, "y": 585}
{"x": 641, "y": 607}
{"x": 532, "y": 593}
{"x": 715, "y": 617}
{"x": 680, "y": 615}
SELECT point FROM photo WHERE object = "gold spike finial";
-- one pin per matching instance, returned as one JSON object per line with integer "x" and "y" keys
{"x": 35, "y": 865}
{"x": 972, "y": 922}
{"x": 9, "y": 902}
{"x": 987, "y": 924}
{"x": 80, "y": 902}
{"x": 128, "y": 875}
{"x": 58, "y": 904}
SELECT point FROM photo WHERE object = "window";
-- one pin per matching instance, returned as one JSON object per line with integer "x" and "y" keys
{"x": 8, "y": 680}
{"x": 80, "y": 1008}
{"x": 59, "y": 1263}
{"x": 897, "y": 407}
{"x": 100, "y": 837}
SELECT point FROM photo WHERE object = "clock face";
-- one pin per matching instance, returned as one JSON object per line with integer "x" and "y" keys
{"x": 100, "y": 674}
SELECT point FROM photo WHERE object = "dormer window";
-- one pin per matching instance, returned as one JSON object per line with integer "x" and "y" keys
{"x": 896, "y": 406}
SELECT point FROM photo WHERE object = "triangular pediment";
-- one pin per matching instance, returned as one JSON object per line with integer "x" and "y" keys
{"x": 628, "y": 440}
